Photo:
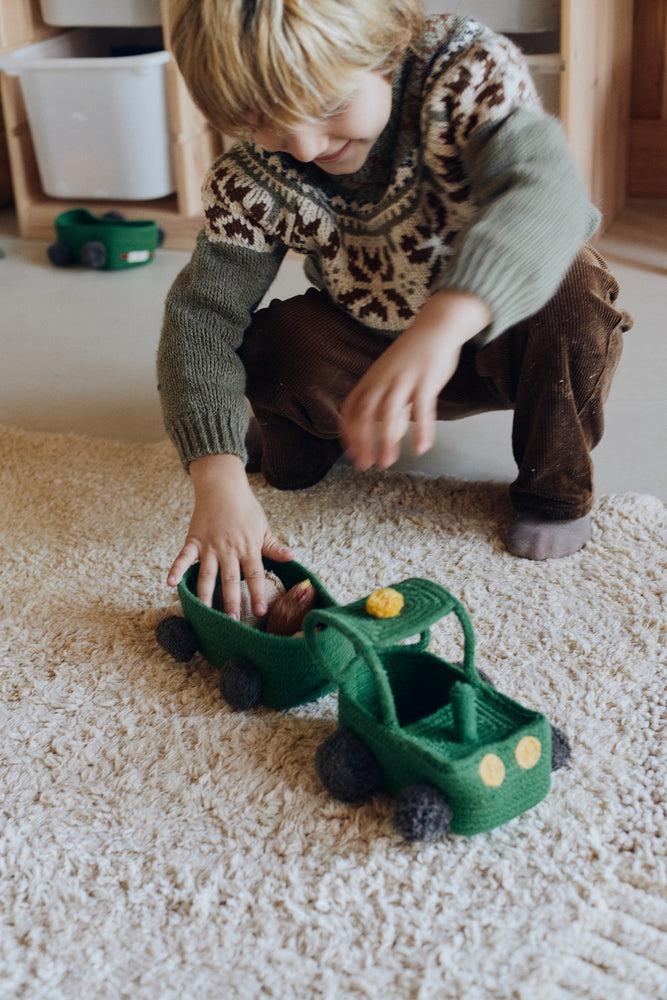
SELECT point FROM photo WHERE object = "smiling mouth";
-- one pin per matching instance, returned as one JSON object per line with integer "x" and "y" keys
{"x": 335, "y": 156}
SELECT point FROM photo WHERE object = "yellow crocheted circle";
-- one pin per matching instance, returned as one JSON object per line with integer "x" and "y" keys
{"x": 528, "y": 752}
{"x": 385, "y": 603}
{"x": 491, "y": 770}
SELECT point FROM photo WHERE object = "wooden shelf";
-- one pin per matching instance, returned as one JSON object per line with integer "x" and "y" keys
{"x": 648, "y": 126}
{"x": 194, "y": 146}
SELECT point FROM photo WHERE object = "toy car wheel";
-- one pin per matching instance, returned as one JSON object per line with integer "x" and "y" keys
{"x": 114, "y": 216}
{"x": 60, "y": 254}
{"x": 94, "y": 254}
{"x": 177, "y": 636}
{"x": 561, "y": 750}
{"x": 348, "y": 769}
{"x": 240, "y": 685}
{"x": 421, "y": 813}
{"x": 161, "y": 236}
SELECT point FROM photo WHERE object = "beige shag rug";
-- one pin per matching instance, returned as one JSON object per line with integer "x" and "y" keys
{"x": 155, "y": 845}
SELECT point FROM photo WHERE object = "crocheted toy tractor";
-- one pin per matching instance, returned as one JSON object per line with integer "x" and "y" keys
{"x": 104, "y": 242}
{"x": 458, "y": 754}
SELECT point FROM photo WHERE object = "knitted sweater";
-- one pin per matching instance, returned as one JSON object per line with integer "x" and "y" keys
{"x": 470, "y": 186}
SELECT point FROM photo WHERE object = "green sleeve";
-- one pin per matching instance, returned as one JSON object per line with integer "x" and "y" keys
{"x": 201, "y": 379}
{"x": 533, "y": 216}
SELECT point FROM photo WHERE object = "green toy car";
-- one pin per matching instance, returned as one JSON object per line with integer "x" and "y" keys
{"x": 104, "y": 242}
{"x": 457, "y": 754}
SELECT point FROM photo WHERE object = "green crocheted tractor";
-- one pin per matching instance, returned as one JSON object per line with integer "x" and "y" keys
{"x": 108, "y": 242}
{"x": 459, "y": 755}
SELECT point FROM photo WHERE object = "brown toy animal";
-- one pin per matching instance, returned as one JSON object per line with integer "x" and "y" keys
{"x": 286, "y": 614}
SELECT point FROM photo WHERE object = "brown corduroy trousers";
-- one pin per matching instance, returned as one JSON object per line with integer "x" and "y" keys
{"x": 304, "y": 355}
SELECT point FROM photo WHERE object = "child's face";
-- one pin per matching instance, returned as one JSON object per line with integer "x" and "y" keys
{"x": 340, "y": 143}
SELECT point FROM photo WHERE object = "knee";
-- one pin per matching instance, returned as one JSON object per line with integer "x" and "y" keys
{"x": 576, "y": 340}
{"x": 584, "y": 306}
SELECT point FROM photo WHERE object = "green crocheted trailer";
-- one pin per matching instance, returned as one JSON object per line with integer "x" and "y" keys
{"x": 458, "y": 754}
{"x": 256, "y": 666}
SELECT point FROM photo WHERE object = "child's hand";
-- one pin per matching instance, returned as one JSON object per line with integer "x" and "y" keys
{"x": 405, "y": 381}
{"x": 228, "y": 531}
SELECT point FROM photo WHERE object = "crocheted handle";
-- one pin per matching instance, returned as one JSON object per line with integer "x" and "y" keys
{"x": 349, "y": 634}
{"x": 333, "y": 656}
{"x": 469, "y": 667}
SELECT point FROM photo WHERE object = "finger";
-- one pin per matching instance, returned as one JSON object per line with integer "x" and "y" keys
{"x": 364, "y": 431}
{"x": 349, "y": 415}
{"x": 423, "y": 415}
{"x": 208, "y": 574}
{"x": 392, "y": 432}
{"x": 276, "y": 550}
{"x": 386, "y": 424}
{"x": 344, "y": 424}
{"x": 230, "y": 582}
{"x": 253, "y": 572}
{"x": 188, "y": 555}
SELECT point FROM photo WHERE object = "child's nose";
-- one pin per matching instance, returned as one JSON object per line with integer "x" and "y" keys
{"x": 306, "y": 145}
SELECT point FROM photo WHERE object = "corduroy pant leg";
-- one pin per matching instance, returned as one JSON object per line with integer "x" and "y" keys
{"x": 555, "y": 369}
{"x": 302, "y": 357}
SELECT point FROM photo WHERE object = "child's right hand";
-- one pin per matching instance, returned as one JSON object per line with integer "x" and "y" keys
{"x": 228, "y": 530}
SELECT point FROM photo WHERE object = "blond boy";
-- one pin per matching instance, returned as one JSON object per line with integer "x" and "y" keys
{"x": 445, "y": 228}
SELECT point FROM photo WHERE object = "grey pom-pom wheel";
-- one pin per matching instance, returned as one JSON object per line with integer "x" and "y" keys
{"x": 94, "y": 254}
{"x": 421, "y": 813}
{"x": 348, "y": 769}
{"x": 60, "y": 254}
{"x": 560, "y": 748}
{"x": 240, "y": 684}
{"x": 177, "y": 636}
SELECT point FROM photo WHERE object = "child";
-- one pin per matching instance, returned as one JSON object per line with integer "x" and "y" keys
{"x": 445, "y": 226}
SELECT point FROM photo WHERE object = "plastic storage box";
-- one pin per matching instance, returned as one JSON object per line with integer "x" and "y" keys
{"x": 75, "y": 13}
{"x": 98, "y": 116}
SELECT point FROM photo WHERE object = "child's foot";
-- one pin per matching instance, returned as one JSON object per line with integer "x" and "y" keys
{"x": 253, "y": 443}
{"x": 533, "y": 537}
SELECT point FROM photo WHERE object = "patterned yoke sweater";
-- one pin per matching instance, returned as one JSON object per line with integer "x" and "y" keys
{"x": 470, "y": 186}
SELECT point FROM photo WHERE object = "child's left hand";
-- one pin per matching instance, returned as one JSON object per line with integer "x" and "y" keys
{"x": 405, "y": 381}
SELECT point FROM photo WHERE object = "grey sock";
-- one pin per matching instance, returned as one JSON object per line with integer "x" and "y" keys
{"x": 533, "y": 537}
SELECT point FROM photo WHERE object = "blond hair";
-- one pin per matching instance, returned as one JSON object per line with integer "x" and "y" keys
{"x": 284, "y": 63}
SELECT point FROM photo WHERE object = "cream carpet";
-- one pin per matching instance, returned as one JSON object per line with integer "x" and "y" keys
{"x": 156, "y": 845}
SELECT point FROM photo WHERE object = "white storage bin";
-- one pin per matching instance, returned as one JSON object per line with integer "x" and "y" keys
{"x": 504, "y": 15}
{"x": 89, "y": 13}
{"x": 99, "y": 122}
